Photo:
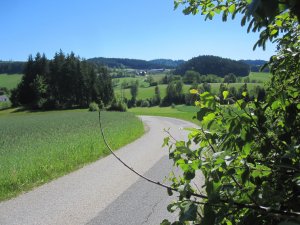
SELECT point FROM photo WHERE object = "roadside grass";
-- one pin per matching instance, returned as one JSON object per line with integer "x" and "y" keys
{"x": 36, "y": 147}
{"x": 10, "y": 81}
{"x": 180, "y": 112}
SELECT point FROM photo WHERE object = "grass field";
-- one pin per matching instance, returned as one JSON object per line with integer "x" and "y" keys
{"x": 10, "y": 81}
{"x": 145, "y": 91}
{"x": 180, "y": 112}
{"x": 260, "y": 76}
{"x": 36, "y": 147}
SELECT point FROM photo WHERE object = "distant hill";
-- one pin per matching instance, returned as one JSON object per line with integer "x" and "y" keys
{"x": 11, "y": 67}
{"x": 168, "y": 63}
{"x": 136, "y": 63}
{"x": 255, "y": 65}
{"x": 214, "y": 65}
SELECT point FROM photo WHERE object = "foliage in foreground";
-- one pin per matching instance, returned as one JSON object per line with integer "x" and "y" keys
{"x": 38, "y": 147}
{"x": 249, "y": 155}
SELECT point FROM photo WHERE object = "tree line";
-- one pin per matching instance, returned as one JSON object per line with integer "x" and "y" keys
{"x": 214, "y": 65}
{"x": 131, "y": 63}
{"x": 65, "y": 81}
{"x": 11, "y": 67}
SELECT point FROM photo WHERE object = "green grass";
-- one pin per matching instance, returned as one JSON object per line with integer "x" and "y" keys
{"x": 260, "y": 76}
{"x": 144, "y": 93}
{"x": 10, "y": 81}
{"x": 38, "y": 147}
{"x": 4, "y": 105}
{"x": 180, "y": 112}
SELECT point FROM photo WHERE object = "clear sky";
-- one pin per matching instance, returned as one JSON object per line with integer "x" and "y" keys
{"x": 142, "y": 29}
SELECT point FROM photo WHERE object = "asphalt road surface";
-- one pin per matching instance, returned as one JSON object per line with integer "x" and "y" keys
{"x": 105, "y": 192}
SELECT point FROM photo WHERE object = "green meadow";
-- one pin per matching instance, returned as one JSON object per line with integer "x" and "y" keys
{"x": 180, "y": 112}
{"x": 36, "y": 147}
{"x": 10, "y": 81}
{"x": 260, "y": 76}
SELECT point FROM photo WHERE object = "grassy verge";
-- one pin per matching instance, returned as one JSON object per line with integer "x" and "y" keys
{"x": 38, "y": 147}
{"x": 180, "y": 112}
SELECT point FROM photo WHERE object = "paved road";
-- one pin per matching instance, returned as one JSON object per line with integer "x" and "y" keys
{"x": 104, "y": 192}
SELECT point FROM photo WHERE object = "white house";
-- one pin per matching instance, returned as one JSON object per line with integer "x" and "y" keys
{"x": 4, "y": 98}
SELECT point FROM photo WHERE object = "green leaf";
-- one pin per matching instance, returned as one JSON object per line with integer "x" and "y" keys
{"x": 166, "y": 141}
{"x": 246, "y": 148}
{"x": 275, "y": 105}
{"x": 244, "y": 93}
{"x": 278, "y": 23}
{"x": 189, "y": 175}
{"x": 194, "y": 91}
{"x": 225, "y": 94}
{"x": 274, "y": 32}
{"x": 245, "y": 175}
{"x": 189, "y": 212}
{"x": 165, "y": 222}
{"x": 209, "y": 117}
{"x": 231, "y": 8}
{"x": 202, "y": 112}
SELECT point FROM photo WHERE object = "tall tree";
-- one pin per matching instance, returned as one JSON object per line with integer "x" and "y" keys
{"x": 63, "y": 82}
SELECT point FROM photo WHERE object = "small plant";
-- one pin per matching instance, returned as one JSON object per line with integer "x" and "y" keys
{"x": 93, "y": 107}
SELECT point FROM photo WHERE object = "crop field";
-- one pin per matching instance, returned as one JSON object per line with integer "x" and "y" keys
{"x": 10, "y": 81}
{"x": 36, "y": 147}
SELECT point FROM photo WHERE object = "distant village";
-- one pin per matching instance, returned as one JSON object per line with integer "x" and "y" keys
{"x": 145, "y": 72}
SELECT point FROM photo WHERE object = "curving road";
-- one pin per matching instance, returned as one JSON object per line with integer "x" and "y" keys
{"x": 105, "y": 192}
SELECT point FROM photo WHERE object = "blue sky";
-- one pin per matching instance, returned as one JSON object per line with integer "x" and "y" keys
{"x": 142, "y": 29}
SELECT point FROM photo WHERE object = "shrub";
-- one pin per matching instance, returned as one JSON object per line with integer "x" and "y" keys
{"x": 93, "y": 107}
{"x": 118, "y": 106}
{"x": 145, "y": 103}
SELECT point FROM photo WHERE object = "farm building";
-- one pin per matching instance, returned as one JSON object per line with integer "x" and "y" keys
{"x": 4, "y": 98}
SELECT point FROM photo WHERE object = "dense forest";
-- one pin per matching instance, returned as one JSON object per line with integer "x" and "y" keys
{"x": 256, "y": 65}
{"x": 65, "y": 81}
{"x": 136, "y": 63}
{"x": 167, "y": 63}
{"x": 11, "y": 67}
{"x": 214, "y": 65}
